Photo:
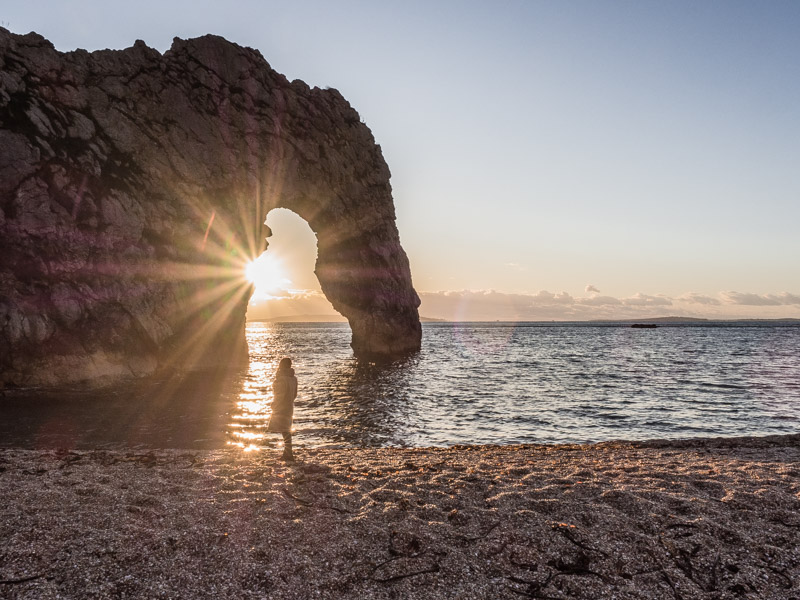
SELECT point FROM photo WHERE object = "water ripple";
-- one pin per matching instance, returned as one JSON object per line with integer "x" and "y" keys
{"x": 470, "y": 384}
{"x": 490, "y": 383}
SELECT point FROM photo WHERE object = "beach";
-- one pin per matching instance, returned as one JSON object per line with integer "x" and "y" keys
{"x": 706, "y": 518}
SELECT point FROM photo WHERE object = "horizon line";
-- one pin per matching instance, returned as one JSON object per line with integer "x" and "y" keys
{"x": 423, "y": 319}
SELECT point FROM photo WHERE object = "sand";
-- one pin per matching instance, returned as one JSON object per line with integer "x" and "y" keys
{"x": 685, "y": 520}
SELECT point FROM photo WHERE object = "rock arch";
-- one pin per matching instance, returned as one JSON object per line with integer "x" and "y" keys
{"x": 134, "y": 186}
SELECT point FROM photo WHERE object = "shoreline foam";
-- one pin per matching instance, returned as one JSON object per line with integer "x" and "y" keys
{"x": 700, "y": 518}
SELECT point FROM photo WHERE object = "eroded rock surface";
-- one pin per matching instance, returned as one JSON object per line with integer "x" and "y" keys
{"x": 133, "y": 190}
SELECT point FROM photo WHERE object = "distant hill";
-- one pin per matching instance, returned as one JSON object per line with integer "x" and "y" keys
{"x": 654, "y": 320}
{"x": 693, "y": 320}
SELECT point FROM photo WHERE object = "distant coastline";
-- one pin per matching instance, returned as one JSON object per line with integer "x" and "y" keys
{"x": 693, "y": 321}
{"x": 670, "y": 320}
{"x": 322, "y": 319}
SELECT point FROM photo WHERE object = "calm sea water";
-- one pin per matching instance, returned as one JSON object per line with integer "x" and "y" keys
{"x": 472, "y": 383}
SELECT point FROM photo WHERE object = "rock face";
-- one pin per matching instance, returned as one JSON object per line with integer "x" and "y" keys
{"x": 133, "y": 191}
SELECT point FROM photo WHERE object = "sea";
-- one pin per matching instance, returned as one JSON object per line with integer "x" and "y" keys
{"x": 472, "y": 383}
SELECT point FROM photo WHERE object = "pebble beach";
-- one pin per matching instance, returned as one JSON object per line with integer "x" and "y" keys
{"x": 708, "y": 518}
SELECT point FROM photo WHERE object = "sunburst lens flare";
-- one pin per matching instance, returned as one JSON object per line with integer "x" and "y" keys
{"x": 267, "y": 275}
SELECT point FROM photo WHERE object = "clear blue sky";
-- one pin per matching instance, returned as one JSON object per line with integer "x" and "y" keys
{"x": 648, "y": 148}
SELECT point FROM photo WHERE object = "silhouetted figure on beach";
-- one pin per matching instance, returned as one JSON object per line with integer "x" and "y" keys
{"x": 284, "y": 388}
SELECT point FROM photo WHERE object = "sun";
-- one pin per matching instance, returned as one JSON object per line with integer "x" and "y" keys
{"x": 267, "y": 275}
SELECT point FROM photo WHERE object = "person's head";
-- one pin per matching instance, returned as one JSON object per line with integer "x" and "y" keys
{"x": 286, "y": 363}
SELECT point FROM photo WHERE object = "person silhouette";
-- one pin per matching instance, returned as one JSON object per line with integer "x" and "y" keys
{"x": 284, "y": 389}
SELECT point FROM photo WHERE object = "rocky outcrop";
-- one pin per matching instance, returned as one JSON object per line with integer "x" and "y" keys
{"x": 133, "y": 190}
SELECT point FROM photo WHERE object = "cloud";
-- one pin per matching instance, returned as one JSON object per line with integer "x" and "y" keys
{"x": 746, "y": 299}
{"x": 295, "y": 303}
{"x": 547, "y": 298}
{"x": 591, "y": 288}
{"x": 640, "y": 299}
{"x": 599, "y": 301}
{"x": 749, "y": 299}
{"x": 491, "y": 305}
{"x": 695, "y": 298}
{"x": 515, "y": 266}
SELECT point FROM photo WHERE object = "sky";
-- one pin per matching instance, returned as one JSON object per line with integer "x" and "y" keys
{"x": 550, "y": 160}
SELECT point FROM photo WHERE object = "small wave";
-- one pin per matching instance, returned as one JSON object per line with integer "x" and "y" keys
{"x": 726, "y": 386}
{"x": 551, "y": 384}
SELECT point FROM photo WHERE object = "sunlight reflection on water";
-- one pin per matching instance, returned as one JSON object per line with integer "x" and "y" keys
{"x": 500, "y": 383}
{"x": 339, "y": 403}
{"x": 474, "y": 383}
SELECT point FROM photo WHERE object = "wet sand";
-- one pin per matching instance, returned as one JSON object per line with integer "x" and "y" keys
{"x": 691, "y": 519}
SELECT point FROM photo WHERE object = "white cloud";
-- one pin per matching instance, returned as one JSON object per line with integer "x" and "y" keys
{"x": 545, "y": 298}
{"x": 599, "y": 301}
{"x": 590, "y": 288}
{"x": 747, "y": 299}
{"x": 640, "y": 299}
{"x": 491, "y": 305}
{"x": 296, "y": 303}
{"x": 695, "y": 298}
{"x": 515, "y": 266}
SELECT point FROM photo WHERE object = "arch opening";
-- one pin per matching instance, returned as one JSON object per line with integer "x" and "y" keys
{"x": 285, "y": 286}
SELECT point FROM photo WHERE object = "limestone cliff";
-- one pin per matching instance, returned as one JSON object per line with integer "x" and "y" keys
{"x": 133, "y": 190}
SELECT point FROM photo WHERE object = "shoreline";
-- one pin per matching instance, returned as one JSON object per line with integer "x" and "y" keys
{"x": 691, "y": 518}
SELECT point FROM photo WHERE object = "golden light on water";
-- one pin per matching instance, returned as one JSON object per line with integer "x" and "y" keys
{"x": 231, "y": 268}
